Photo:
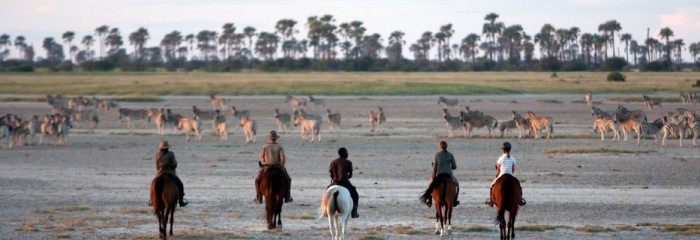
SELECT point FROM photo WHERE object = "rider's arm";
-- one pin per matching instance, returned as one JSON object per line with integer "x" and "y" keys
{"x": 282, "y": 157}
{"x": 262, "y": 154}
{"x": 435, "y": 166}
{"x": 453, "y": 162}
{"x": 350, "y": 171}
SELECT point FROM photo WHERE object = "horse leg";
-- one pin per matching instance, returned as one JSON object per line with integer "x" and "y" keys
{"x": 166, "y": 213}
{"x": 437, "y": 221}
{"x": 161, "y": 228}
{"x": 172, "y": 219}
{"x": 449, "y": 220}
{"x": 279, "y": 212}
{"x": 331, "y": 223}
{"x": 511, "y": 225}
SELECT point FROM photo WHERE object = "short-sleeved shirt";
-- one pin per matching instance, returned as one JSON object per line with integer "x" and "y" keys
{"x": 444, "y": 163}
{"x": 506, "y": 164}
{"x": 165, "y": 162}
{"x": 271, "y": 154}
{"x": 340, "y": 170}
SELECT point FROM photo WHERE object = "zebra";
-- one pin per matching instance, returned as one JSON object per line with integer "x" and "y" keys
{"x": 508, "y": 126}
{"x": 470, "y": 112}
{"x": 62, "y": 129}
{"x": 636, "y": 114}
{"x": 693, "y": 98}
{"x": 172, "y": 119}
{"x": 204, "y": 115}
{"x": 333, "y": 119}
{"x": 56, "y": 103}
{"x": 221, "y": 127}
{"x": 217, "y": 103}
{"x": 628, "y": 124}
{"x": 538, "y": 123}
{"x": 34, "y": 127}
{"x": 134, "y": 114}
{"x": 380, "y": 117}
{"x": 588, "y": 98}
{"x": 653, "y": 128}
{"x": 685, "y": 98}
{"x": 47, "y": 128}
{"x": 672, "y": 129}
{"x": 694, "y": 125}
{"x": 599, "y": 113}
{"x": 603, "y": 124}
{"x": 650, "y": 102}
{"x": 308, "y": 125}
{"x": 79, "y": 116}
{"x": 452, "y": 123}
{"x": 522, "y": 124}
{"x": 372, "y": 120}
{"x": 249, "y": 129}
{"x": 282, "y": 120}
{"x": 193, "y": 125}
{"x": 470, "y": 121}
{"x": 106, "y": 104}
{"x": 295, "y": 102}
{"x": 239, "y": 113}
{"x": 451, "y": 102}
{"x": 316, "y": 101}
{"x": 158, "y": 116}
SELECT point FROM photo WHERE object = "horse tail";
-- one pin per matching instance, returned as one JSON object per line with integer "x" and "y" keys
{"x": 325, "y": 200}
{"x": 443, "y": 192}
{"x": 156, "y": 192}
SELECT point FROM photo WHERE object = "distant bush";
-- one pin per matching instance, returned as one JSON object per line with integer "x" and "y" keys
{"x": 653, "y": 67}
{"x": 98, "y": 66}
{"x": 16, "y": 66}
{"x": 65, "y": 66}
{"x": 616, "y": 77}
{"x": 614, "y": 64}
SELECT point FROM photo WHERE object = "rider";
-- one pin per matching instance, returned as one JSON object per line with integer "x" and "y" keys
{"x": 504, "y": 165}
{"x": 341, "y": 172}
{"x": 444, "y": 163}
{"x": 166, "y": 164}
{"x": 272, "y": 155}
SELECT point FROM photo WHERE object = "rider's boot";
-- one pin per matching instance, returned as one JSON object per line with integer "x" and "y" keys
{"x": 288, "y": 197}
{"x": 183, "y": 202}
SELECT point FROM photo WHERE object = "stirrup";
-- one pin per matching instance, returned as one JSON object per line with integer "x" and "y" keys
{"x": 355, "y": 215}
{"x": 522, "y": 202}
{"x": 184, "y": 202}
{"x": 257, "y": 200}
{"x": 456, "y": 203}
{"x": 288, "y": 200}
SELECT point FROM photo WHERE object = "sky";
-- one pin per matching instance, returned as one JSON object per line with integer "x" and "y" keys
{"x": 37, "y": 19}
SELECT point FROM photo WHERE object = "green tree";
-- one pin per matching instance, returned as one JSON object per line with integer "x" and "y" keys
{"x": 138, "y": 38}
{"x": 634, "y": 48}
{"x": 394, "y": 51}
{"x": 101, "y": 32}
{"x": 20, "y": 45}
{"x": 87, "y": 43}
{"x": 667, "y": 33}
{"x": 114, "y": 41}
{"x": 694, "y": 49}
{"x": 5, "y": 44}
{"x": 249, "y": 32}
{"x": 469, "y": 46}
{"x": 68, "y": 39}
{"x": 626, "y": 37}
{"x": 227, "y": 38}
{"x": 190, "y": 43}
{"x": 490, "y": 29}
{"x": 447, "y": 31}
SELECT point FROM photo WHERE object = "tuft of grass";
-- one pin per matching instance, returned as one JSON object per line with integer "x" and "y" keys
{"x": 626, "y": 228}
{"x": 594, "y": 229}
{"x": 233, "y": 215}
{"x": 131, "y": 133}
{"x": 473, "y": 228}
{"x": 684, "y": 229}
{"x": 135, "y": 211}
{"x": 303, "y": 215}
{"x": 65, "y": 209}
{"x": 21, "y": 99}
{"x": 377, "y": 134}
{"x": 591, "y": 150}
{"x": 29, "y": 226}
{"x": 137, "y": 99}
{"x": 539, "y": 228}
{"x": 407, "y": 230}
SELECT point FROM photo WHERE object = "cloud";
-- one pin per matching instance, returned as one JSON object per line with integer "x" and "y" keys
{"x": 43, "y": 9}
{"x": 683, "y": 21}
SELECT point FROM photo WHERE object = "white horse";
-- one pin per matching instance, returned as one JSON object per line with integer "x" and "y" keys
{"x": 336, "y": 204}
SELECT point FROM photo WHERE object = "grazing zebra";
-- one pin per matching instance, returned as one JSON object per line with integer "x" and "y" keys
{"x": 308, "y": 125}
{"x": 602, "y": 125}
{"x": 249, "y": 129}
{"x": 221, "y": 127}
{"x": 133, "y": 115}
{"x": 588, "y": 98}
{"x": 282, "y": 120}
{"x": 333, "y": 119}
{"x": 206, "y": 115}
{"x": 452, "y": 123}
{"x": 672, "y": 129}
{"x": 694, "y": 125}
{"x": 217, "y": 103}
{"x": 316, "y": 102}
{"x": 539, "y": 123}
{"x": 599, "y": 113}
{"x": 653, "y": 128}
{"x": 295, "y": 102}
{"x": 193, "y": 126}
{"x": 79, "y": 116}
{"x": 448, "y": 101}
{"x": 650, "y": 102}
{"x": 636, "y": 114}
{"x": 508, "y": 126}
{"x": 470, "y": 121}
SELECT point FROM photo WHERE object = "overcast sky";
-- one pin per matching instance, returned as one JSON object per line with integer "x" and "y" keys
{"x": 36, "y": 19}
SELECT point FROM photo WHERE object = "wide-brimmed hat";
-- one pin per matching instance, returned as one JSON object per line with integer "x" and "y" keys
{"x": 273, "y": 135}
{"x": 164, "y": 144}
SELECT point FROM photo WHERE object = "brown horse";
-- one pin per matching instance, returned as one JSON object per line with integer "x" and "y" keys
{"x": 164, "y": 197}
{"x": 506, "y": 194}
{"x": 443, "y": 191}
{"x": 273, "y": 187}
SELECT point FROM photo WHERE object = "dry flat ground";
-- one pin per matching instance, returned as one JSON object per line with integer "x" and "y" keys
{"x": 97, "y": 186}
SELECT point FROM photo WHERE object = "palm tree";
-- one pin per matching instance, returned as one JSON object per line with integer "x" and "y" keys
{"x": 448, "y": 32}
{"x": 87, "y": 42}
{"x": 678, "y": 44}
{"x": 138, "y": 38}
{"x": 285, "y": 28}
{"x": 425, "y": 43}
{"x": 513, "y": 36}
{"x": 190, "y": 42}
{"x": 667, "y": 33}
{"x": 227, "y": 37}
{"x": 5, "y": 42}
{"x": 545, "y": 38}
{"x": 439, "y": 38}
{"x": 611, "y": 27}
{"x": 586, "y": 41}
{"x": 634, "y": 48}
{"x": 20, "y": 45}
{"x": 114, "y": 41}
{"x": 249, "y": 32}
{"x": 490, "y": 29}
{"x": 68, "y": 38}
{"x": 469, "y": 46}
{"x": 54, "y": 51}
{"x": 694, "y": 49}
{"x": 101, "y": 32}
{"x": 626, "y": 37}
{"x": 395, "y": 50}
{"x": 356, "y": 33}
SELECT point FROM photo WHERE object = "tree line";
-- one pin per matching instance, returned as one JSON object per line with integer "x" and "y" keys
{"x": 348, "y": 46}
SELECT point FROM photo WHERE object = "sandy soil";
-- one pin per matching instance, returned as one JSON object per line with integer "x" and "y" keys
{"x": 97, "y": 186}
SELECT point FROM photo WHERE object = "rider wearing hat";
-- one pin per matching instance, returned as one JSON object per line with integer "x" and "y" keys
{"x": 166, "y": 164}
{"x": 504, "y": 165}
{"x": 272, "y": 155}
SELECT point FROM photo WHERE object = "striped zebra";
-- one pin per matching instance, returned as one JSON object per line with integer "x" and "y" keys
{"x": 380, "y": 117}
{"x": 652, "y": 128}
{"x": 308, "y": 125}
{"x": 628, "y": 124}
{"x": 602, "y": 125}
{"x": 239, "y": 113}
{"x": 249, "y": 129}
{"x": 4, "y": 131}
{"x": 333, "y": 119}
{"x": 685, "y": 98}
{"x": 650, "y": 102}
{"x": 191, "y": 126}
{"x": 588, "y": 98}
{"x": 672, "y": 129}
{"x": 452, "y": 122}
{"x": 282, "y": 119}
{"x": 316, "y": 102}
{"x": 80, "y": 116}
{"x": 34, "y": 128}
{"x": 522, "y": 124}
{"x": 134, "y": 115}
{"x": 599, "y": 113}
{"x": 172, "y": 119}
{"x": 62, "y": 129}
{"x": 507, "y": 126}
{"x": 372, "y": 120}
{"x": 47, "y": 128}
{"x": 451, "y": 102}
{"x": 626, "y": 114}
{"x": 539, "y": 123}
{"x": 694, "y": 125}
{"x": 106, "y": 104}
{"x": 204, "y": 115}
{"x": 471, "y": 121}
{"x": 470, "y": 112}
{"x": 693, "y": 98}
{"x": 295, "y": 102}
{"x": 56, "y": 103}
{"x": 158, "y": 117}
{"x": 221, "y": 127}
{"x": 217, "y": 103}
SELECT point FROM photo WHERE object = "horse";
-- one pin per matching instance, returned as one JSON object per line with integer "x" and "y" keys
{"x": 336, "y": 204}
{"x": 506, "y": 194}
{"x": 273, "y": 187}
{"x": 443, "y": 191}
{"x": 164, "y": 197}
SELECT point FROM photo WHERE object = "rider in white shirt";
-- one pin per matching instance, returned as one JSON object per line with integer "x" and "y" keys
{"x": 504, "y": 165}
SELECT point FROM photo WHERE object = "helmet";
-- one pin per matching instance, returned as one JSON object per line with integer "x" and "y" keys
{"x": 506, "y": 146}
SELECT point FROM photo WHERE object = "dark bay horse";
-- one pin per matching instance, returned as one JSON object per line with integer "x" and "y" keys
{"x": 273, "y": 187}
{"x": 506, "y": 195}
{"x": 443, "y": 191}
{"x": 164, "y": 197}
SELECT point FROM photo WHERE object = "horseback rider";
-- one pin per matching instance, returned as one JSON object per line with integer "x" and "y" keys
{"x": 166, "y": 164}
{"x": 272, "y": 155}
{"x": 504, "y": 165}
{"x": 443, "y": 163}
{"x": 341, "y": 172}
